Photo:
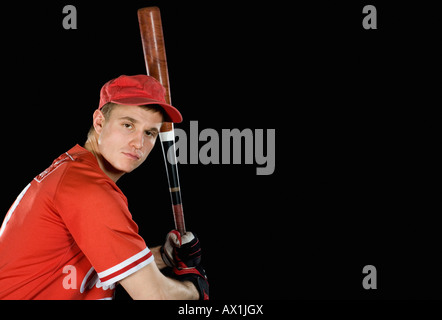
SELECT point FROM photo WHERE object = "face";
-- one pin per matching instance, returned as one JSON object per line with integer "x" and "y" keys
{"x": 126, "y": 138}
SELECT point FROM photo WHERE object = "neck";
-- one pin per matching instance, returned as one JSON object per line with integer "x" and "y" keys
{"x": 92, "y": 146}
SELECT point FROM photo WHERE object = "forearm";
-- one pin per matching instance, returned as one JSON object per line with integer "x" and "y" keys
{"x": 180, "y": 290}
{"x": 157, "y": 256}
{"x": 149, "y": 283}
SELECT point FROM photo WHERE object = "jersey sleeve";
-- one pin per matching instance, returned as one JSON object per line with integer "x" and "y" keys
{"x": 96, "y": 214}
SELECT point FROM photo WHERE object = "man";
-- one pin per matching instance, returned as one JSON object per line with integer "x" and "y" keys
{"x": 70, "y": 235}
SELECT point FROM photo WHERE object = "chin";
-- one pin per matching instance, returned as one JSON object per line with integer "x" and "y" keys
{"x": 127, "y": 167}
{"x": 124, "y": 169}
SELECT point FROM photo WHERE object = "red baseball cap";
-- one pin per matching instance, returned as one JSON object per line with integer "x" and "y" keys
{"x": 137, "y": 90}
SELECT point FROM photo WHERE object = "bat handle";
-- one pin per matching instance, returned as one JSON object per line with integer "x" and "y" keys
{"x": 179, "y": 218}
{"x": 169, "y": 152}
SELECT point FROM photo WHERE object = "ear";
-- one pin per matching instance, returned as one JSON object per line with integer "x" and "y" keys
{"x": 98, "y": 121}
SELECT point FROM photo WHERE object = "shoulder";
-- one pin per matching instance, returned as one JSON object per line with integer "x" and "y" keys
{"x": 82, "y": 179}
{"x": 77, "y": 158}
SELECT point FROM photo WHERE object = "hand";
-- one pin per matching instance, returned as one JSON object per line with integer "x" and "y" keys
{"x": 181, "y": 251}
{"x": 196, "y": 275}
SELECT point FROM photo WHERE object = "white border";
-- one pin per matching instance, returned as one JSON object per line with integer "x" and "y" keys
{"x": 124, "y": 264}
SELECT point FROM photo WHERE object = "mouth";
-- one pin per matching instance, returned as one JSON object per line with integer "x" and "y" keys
{"x": 132, "y": 156}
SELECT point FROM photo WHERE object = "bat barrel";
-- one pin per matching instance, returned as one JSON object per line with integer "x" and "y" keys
{"x": 154, "y": 51}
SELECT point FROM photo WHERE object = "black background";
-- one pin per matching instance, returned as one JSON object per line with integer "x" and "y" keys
{"x": 355, "y": 179}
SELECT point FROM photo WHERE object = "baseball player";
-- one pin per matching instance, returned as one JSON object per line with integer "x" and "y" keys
{"x": 70, "y": 235}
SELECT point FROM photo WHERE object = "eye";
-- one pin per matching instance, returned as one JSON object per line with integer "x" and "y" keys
{"x": 128, "y": 125}
{"x": 151, "y": 133}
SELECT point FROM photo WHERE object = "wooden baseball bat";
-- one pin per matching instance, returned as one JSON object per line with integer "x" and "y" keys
{"x": 149, "y": 20}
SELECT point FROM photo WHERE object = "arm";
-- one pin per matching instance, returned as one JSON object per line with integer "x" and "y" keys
{"x": 149, "y": 283}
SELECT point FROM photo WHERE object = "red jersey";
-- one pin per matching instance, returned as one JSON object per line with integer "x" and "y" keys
{"x": 69, "y": 234}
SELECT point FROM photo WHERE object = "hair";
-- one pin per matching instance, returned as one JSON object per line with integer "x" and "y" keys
{"x": 108, "y": 107}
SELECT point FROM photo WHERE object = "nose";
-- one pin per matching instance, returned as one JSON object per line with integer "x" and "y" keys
{"x": 137, "y": 141}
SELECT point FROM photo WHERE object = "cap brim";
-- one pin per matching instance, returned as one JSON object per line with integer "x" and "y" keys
{"x": 174, "y": 115}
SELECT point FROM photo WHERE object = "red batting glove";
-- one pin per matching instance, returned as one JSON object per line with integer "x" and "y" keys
{"x": 181, "y": 251}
